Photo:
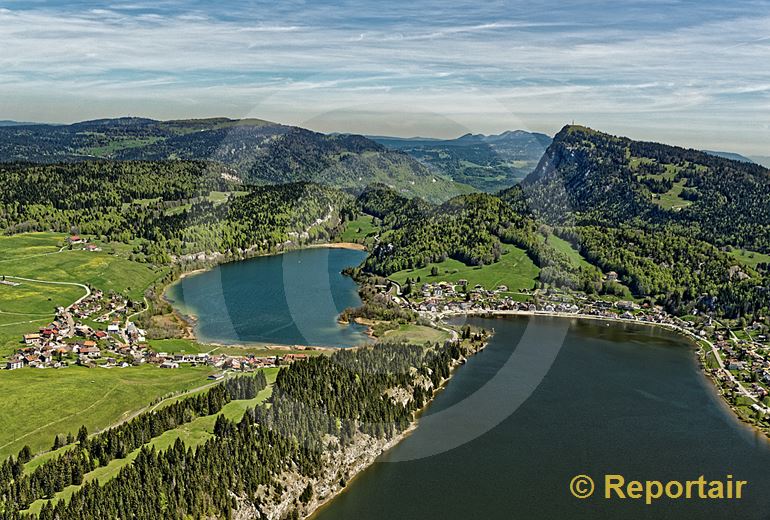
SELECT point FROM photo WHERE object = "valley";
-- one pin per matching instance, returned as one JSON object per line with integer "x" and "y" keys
{"x": 137, "y": 294}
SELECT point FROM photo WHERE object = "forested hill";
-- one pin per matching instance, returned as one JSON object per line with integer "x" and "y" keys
{"x": 476, "y": 229}
{"x": 258, "y": 151}
{"x": 167, "y": 209}
{"x": 588, "y": 177}
{"x": 680, "y": 272}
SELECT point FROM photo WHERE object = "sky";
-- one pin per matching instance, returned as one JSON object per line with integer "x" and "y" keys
{"x": 683, "y": 72}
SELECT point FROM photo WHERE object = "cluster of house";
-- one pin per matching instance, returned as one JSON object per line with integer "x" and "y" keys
{"x": 56, "y": 345}
{"x": 442, "y": 290}
{"x": 75, "y": 240}
{"x": 97, "y": 307}
{"x": 69, "y": 339}
{"x": 63, "y": 341}
{"x": 744, "y": 359}
{"x": 45, "y": 349}
{"x": 448, "y": 298}
{"x": 225, "y": 362}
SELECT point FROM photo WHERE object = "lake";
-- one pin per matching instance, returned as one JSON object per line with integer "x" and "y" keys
{"x": 292, "y": 298}
{"x": 617, "y": 399}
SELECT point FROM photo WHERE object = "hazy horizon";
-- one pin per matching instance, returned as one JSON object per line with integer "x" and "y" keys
{"x": 369, "y": 134}
{"x": 673, "y": 71}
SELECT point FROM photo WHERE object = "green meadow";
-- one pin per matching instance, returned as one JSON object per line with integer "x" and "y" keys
{"x": 565, "y": 247}
{"x": 418, "y": 334}
{"x": 39, "y": 404}
{"x": 37, "y": 256}
{"x": 359, "y": 229}
{"x": 515, "y": 269}
{"x": 43, "y": 256}
{"x": 28, "y": 306}
{"x": 750, "y": 258}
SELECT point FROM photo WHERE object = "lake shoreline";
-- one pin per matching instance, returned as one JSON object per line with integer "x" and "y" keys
{"x": 708, "y": 380}
{"x": 396, "y": 440}
{"x": 700, "y": 350}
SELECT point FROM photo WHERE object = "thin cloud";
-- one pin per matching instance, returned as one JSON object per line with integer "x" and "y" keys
{"x": 532, "y": 59}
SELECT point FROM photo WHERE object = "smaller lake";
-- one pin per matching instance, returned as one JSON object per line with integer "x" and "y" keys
{"x": 292, "y": 299}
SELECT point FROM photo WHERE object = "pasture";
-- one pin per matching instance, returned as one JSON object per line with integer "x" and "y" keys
{"x": 515, "y": 269}
{"x": 45, "y": 257}
{"x": 193, "y": 434}
{"x": 38, "y": 404}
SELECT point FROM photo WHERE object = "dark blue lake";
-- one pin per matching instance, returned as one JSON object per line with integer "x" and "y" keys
{"x": 618, "y": 399}
{"x": 291, "y": 299}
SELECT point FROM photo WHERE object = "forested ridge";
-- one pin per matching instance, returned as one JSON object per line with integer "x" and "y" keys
{"x": 591, "y": 178}
{"x": 670, "y": 268}
{"x": 318, "y": 407}
{"x": 164, "y": 208}
{"x": 255, "y": 151}
{"x": 473, "y": 229}
{"x": 486, "y": 162}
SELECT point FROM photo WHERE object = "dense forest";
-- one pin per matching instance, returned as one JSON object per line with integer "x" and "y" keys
{"x": 166, "y": 208}
{"x": 317, "y": 409}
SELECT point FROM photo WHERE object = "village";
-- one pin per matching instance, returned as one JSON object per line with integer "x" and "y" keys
{"x": 96, "y": 332}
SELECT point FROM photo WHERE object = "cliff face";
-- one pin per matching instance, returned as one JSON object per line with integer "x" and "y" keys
{"x": 584, "y": 173}
{"x": 339, "y": 466}
{"x": 284, "y": 499}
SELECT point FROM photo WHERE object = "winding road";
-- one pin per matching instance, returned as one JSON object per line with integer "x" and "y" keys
{"x": 84, "y": 286}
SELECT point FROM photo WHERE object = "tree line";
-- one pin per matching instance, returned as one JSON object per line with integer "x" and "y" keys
{"x": 19, "y": 489}
{"x": 318, "y": 406}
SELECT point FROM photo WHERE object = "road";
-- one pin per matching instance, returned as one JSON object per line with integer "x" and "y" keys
{"x": 87, "y": 289}
{"x": 70, "y": 321}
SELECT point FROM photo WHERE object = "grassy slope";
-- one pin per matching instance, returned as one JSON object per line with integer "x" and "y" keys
{"x": 416, "y": 334}
{"x": 193, "y": 434}
{"x": 28, "y": 306}
{"x": 515, "y": 269}
{"x": 750, "y": 258}
{"x": 672, "y": 198}
{"x": 565, "y": 247}
{"x": 39, "y": 404}
{"x": 358, "y": 229}
{"x": 179, "y": 346}
{"x": 109, "y": 270}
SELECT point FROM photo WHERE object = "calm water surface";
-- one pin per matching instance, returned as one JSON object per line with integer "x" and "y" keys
{"x": 292, "y": 299}
{"x": 622, "y": 399}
